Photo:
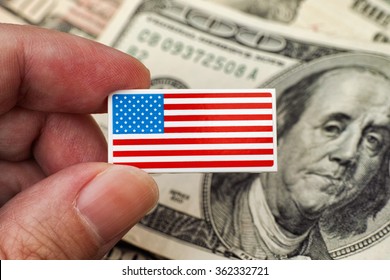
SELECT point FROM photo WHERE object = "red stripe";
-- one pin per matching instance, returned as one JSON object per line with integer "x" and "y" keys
{"x": 200, "y": 164}
{"x": 218, "y": 106}
{"x": 193, "y": 152}
{"x": 218, "y": 129}
{"x": 178, "y": 141}
{"x": 219, "y": 95}
{"x": 217, "y": 117}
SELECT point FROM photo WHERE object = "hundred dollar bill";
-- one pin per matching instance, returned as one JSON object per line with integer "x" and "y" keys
{"x": 354, "y": 19}
{"x": 329, "y": 198}
{"x": 87, "y": 18}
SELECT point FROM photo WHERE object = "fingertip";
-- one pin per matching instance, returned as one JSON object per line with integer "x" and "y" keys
{"x": 56, "y": 72}
{"x": 116, "y": 199}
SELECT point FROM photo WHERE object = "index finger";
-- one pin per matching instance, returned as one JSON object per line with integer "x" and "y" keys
{"x": 50, "y": 71}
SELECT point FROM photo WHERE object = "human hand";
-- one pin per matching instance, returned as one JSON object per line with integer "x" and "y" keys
{"x": 59, "y": 200}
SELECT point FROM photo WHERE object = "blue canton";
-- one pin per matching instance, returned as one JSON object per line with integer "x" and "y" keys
{"x": 138, "y": 113}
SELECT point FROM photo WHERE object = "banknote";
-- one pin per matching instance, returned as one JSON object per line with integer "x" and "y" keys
{"x": 329, "y": 198}
{"x": 86, "y": 18}
{"x": 354, "y": 19}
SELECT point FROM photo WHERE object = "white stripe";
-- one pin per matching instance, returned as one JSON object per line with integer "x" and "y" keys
{"x": 256, "y": 169}
{"x": 193, "y": 158}
{"x": 194, "y": 135}
{"x": 218, "y": 112}
{"x": 217, "y": 100}
{"x": 192, "y": 147}
{"x": 217, "y": 123}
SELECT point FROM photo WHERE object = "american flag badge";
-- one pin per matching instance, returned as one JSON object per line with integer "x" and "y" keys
{"x": 177, "y": 131}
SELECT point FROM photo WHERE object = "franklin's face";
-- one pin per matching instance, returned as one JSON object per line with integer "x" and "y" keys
{"x": 339, "y": 142}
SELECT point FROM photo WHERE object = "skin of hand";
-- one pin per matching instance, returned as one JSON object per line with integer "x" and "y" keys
{"x": 59, "y": 200}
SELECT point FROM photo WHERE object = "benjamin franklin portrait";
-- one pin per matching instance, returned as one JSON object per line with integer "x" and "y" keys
{"x": 333, "y": 119}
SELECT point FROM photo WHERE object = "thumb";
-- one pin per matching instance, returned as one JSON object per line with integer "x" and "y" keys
{"x": 77, "y": 213}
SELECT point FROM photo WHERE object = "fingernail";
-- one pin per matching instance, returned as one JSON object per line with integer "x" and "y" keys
{"x": 116, "y": 199}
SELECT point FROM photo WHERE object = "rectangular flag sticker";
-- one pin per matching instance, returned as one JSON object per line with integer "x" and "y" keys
{"x": 175, "y": 131}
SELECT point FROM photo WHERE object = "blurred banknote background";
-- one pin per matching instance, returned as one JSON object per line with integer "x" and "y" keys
{"x": 220, "y": 44}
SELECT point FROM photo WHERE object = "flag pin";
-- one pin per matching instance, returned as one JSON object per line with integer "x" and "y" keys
{"x": 176, "y": 131}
